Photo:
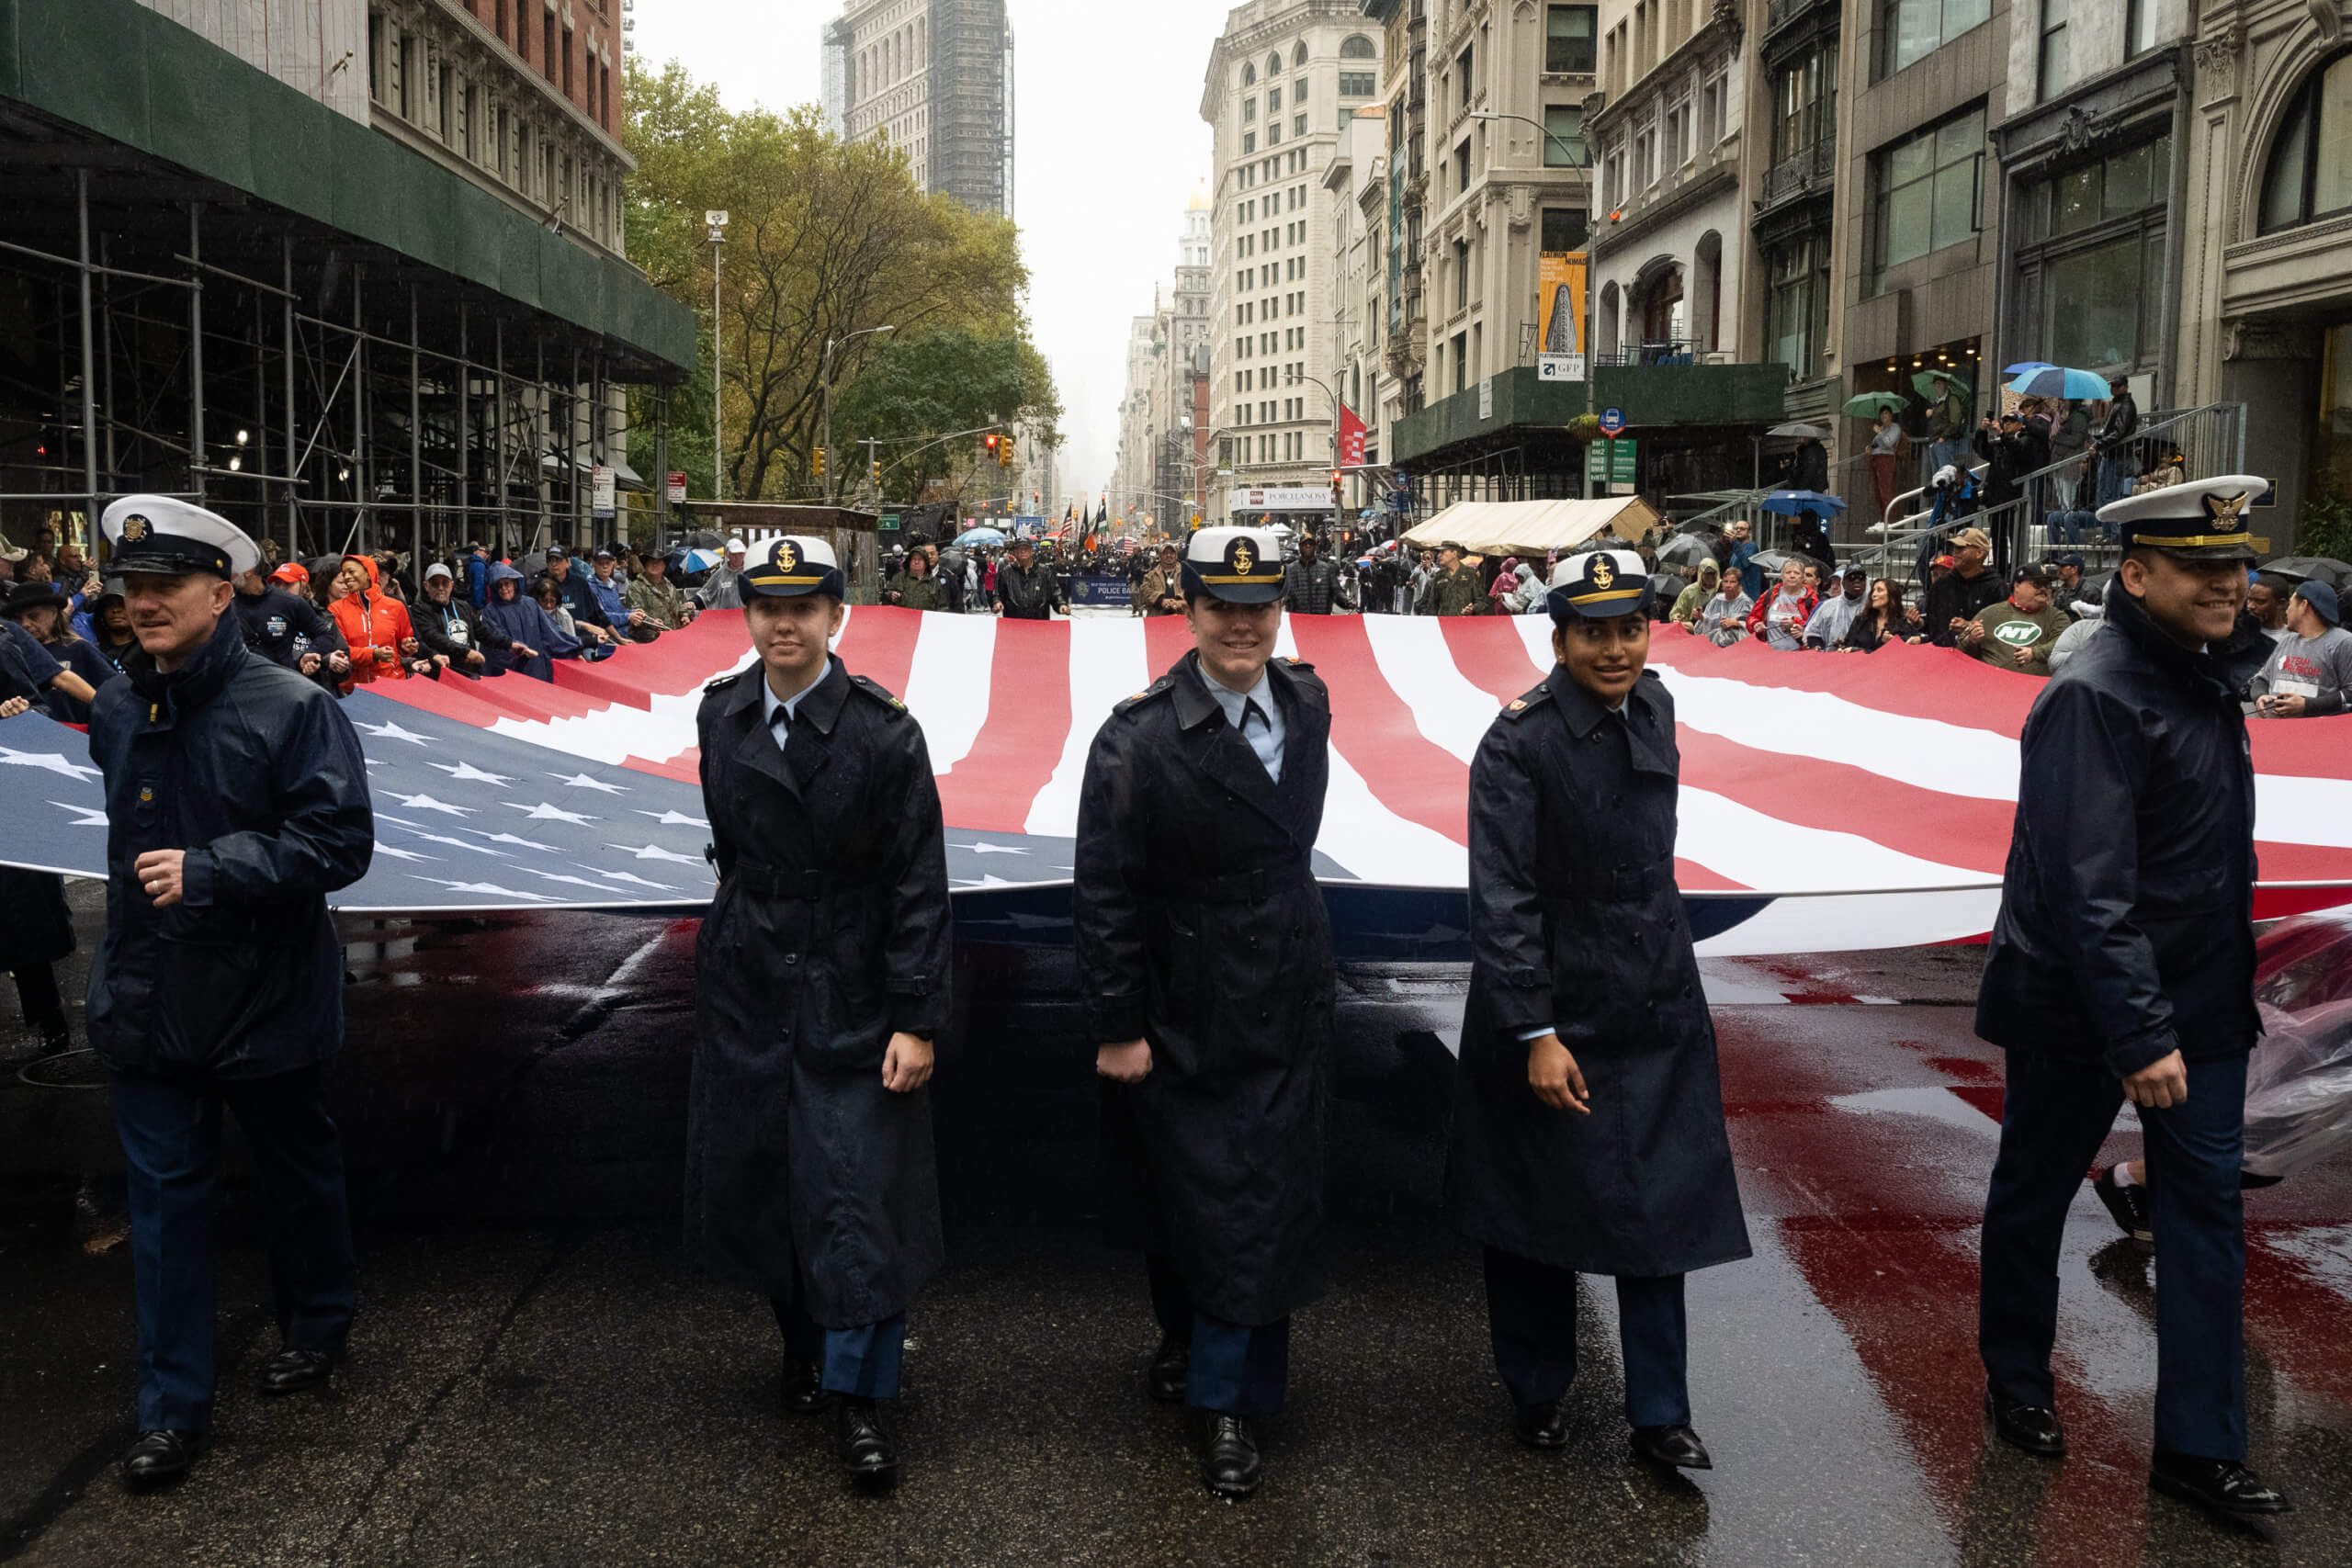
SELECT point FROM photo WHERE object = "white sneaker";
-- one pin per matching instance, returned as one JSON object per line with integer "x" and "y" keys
{"x": 1875, "y": 528}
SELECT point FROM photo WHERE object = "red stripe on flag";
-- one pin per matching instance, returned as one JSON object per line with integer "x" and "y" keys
{"x": 1374, "y": 728}
{"x": 1951, "y": 830}
{"x": 879, "y": 644}
{"x": 994, "y": 786}
{"x": 1489, "y": 653}
{"x": 675, "y": 665}
{"x": 1166, "y": 639}
{"x": 1940, "y": 683}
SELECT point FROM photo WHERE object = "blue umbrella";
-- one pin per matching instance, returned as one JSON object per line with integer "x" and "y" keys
{"x": 2053, "y": 381}
{"x": 1789, "y": 503}
{"x": 2027, "y": 366}
{"x": 698, "y": 560}
{"x": 981, "y": 537}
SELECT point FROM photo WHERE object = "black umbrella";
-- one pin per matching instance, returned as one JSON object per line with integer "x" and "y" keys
{"x": 2326, "y": 569}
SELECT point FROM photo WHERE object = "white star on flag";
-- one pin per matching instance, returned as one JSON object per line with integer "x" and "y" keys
{"x": 426, "y": 803}
{"x": 631, "y": 876}
{"x": 88, "y": 816}
{"x": 575, "y": 881}
{"x": 489, "y": 890}
{"x": 440, "y": 838}
{"x": 466, "y": 773}
{"x": 581, "y": 781}
{"x": 384, "y": 849}
{"x": 543, "y": 812}
{"x": 511, "y": 838}
{"x": 54, "y": 760}
{"x": 989, "y": 849}
{"x": 655, "y": 851}
{"x": 673, "y": 819}
{"x": 394, "y": 732}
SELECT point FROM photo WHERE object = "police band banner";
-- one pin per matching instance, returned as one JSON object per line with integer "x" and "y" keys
{"x": 1827, "y": 804}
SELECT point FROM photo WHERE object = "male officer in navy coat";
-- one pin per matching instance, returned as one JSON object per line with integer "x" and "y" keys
{"x": 236, "y": 801}
{"x": 2121, "y": 967}
{"x": 1589, "y": 1118}
{"x": 820, "y": 977}
{"x": 1203, "y": 940}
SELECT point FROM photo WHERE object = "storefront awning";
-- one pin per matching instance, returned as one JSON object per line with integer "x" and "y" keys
{"x": 1534, "y": 527}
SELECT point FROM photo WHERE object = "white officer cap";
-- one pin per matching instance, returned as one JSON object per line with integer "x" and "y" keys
{"x": 162, "y": 536}
{"x": 797, "y": 564}
{"x": 2201, "y": 520}
{"x": 1240, "y": 566}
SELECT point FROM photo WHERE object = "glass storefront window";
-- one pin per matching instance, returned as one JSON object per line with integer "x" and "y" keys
{"x": 2097, "y": 296}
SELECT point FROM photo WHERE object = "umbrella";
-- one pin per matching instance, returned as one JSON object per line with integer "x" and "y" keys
{"x": 2055, "y": 381}
{"x": 2326, "y": 569}
{"x": 1799, "y": 432}
{"x": 1685, "y": 550}
{"x": 2027, "y": 366}
{"x": 1789, "y": 503}
{"x": 981, "y": 537}
{"x": 1931, "y": 384}
{"x": 699, "y": 560}
{"x": 1865, "y": 405}
{"x": 1769, "y": 562}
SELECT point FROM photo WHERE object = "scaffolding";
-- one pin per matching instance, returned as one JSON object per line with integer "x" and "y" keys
{"x": 170, "y": 333}
{"x": 971, "y": 103}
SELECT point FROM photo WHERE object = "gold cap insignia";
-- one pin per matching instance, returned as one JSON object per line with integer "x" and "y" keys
{"x": 135, "y": 528}
{"x": 1603, "y": 574}
{"x": 787, "y": 557}
{"x": 1245, "y": 561}
{"x": 2226, "y": 509}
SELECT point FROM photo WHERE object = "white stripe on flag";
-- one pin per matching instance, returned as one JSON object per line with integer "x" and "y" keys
{"x": 1926, "y": 753}
{"x": 657, "y": 732}
{"x": 1857, "y": 920}
{"x": 1414, "y": 660}
{"x": 1107, "y": 665}
{"x": 1758, "y": 851}
{"x": 948, "y": 684}
{"x": 2291, "y": 809}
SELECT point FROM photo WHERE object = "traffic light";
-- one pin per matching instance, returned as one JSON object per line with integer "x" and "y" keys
{"x": 988, "y": 444}
{"x": 1338, "y": 479}
{"x": 820, "y": 462}
{"x": 877, "y": 476}
{"x": 1005, "y": 453}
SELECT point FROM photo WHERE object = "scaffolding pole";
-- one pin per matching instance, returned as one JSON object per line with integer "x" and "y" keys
{"x": 293, "y": 463}
{"x": 416, "y": 442}
{"x": 89, "y": 381}
{"x": 195, "y": 449}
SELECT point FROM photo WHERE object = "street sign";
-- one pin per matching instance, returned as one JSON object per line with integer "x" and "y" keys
{"x": 1611, "y": 462}
{"x": 677, "y": 488}
{"x": 600, "y": 491}
{"x": 1284, "y": 498}
{"x": 1559, "y": 366}
{"x": 1487, "y": 397}
{"x": 1613, "y": 421}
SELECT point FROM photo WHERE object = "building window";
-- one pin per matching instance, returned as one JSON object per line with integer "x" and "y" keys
{"x": 1358, "y": 84}
{"x": 1910, "y": 30}
{"x": 1678, "y": 133}
{"x": 1358, "y": 47}
{"x": 1711, "y": 112}
{"x": 1805, "y": 103}
{"x": 1274, "y": 103}
{"x": 547, "y": 46}
{"x": 1275, "y": 64}
{"x": 1462, "y": 362}
{"x": 1248, "y": 142}
{"x": 1298, "y": 91}
{"x": 1463, "y": 76}
{"x": 2309, "y": 176}
{"x": 1569, "y": 34}
{"x": 1462, "y": 167}
{"x": 2090, "y": 270}
{"x": 1796, "y": 305}
{"x": 1461, "y": 274}
{"x": 1299, "y": 55}
{"x": 498, "y": 24}
{"x": 1249, "y": 74}
{"x": 1249, "y": 110}
{"x": 1565, "y": 228}
{"x": 1563, "y": 137}
{"x": 1923, "y": 192}
{"x": 2054, "y": 71}
{"x": 2139, "y": 28}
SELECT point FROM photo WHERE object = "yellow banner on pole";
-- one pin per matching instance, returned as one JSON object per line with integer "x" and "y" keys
{"x": 1560, "y": 284}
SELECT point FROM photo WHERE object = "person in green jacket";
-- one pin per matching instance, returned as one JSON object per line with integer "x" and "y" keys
{"x": 2020, "y": 632}
{"x": 1459, "y": 590}
{"x": 1691, "y": 600}
{"x": 915, "y": 588}
{"x": 651, "y": 591}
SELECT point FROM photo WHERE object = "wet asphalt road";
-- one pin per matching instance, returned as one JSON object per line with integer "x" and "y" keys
{"x": 535, "y": 1380}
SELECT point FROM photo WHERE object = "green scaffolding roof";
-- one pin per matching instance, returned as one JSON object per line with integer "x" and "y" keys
{"x": 137, "y": 78}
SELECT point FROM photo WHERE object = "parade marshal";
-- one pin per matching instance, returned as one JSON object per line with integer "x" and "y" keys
{"x": 820, "y": 977}
{"x": 1587, "y": 1116}
{"x": 1202, "y": 943}
{"x": 2121, "y": 967}
{"x": 236, "y": 801}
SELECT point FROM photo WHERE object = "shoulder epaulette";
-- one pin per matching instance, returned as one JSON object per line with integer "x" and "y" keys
{"x": 1158, "y": 688}
{"x": 1520, "y": 706}
{"x": 720, "y": 682}
{"x": 1300, "y": 664}
{"x": 879, "y": 692}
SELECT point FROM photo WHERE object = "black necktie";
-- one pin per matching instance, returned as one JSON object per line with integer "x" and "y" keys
{"x": 1250, "y": 710}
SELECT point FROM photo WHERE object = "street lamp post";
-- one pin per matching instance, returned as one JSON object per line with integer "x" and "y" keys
{"x": 1579, "y": 158}
{"x": 825, "y": 377}
{"x": 717, "y": 220}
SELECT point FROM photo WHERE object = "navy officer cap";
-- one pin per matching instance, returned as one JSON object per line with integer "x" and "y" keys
{"x": 1240, "y": 566}
{"x": 2201, "y": 519}
{"x": 1597, "y": 584}
{"x": 161, "y": 536}
{"x": 795, "y": 564}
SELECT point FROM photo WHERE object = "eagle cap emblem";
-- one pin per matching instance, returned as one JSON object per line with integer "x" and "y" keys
{"x": 2226, "y": 509}
{"x": 135, "y": 528}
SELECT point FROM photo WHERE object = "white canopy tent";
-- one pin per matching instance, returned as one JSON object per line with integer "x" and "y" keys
{"x": 1532, "y": 527}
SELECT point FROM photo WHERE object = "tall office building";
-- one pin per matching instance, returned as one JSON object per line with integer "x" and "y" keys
{"x": 934, "y": 77}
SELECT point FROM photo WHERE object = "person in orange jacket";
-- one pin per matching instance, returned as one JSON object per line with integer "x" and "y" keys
{"x": 383, "y": 644}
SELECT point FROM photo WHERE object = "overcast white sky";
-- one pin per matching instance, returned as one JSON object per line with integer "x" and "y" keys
{"x": 1110, "y": 144}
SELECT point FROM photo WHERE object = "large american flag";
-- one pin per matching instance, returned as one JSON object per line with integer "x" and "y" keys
{"x": 1828, "y": 801}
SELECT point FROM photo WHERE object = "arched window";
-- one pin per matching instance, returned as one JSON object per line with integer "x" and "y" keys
{"x": 1249, "y": 74}
{"x": 2309, "y": 176}
{"x": 1274, "y": 63}
{"x": 1358, "y": 47}
{"x": 1299, "y": 55}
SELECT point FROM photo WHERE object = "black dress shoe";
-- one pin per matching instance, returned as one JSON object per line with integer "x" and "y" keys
{"x": 1230, "y": 1463}
{"x": 1675, "y": 1447}
{"x": 2128, "y": 1206}
{"x": 291, "y": 1372}
{"x": 2031, "y": 1427}
{"x": 865, "y": 1448}
{"x": 1540, "y": 1426}
{"x": 804, "y": 1389}
{"x": 2218, "y": 1486}
{"x": 1171, "y": 1371}
{"x": 158, "y": 1458}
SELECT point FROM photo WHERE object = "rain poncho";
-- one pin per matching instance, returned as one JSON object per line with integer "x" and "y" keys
{"x": 521, "y": 620}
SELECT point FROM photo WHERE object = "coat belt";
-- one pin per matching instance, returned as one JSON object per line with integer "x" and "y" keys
{"x": 1253, "y": 886}
{"x": 805, "y": 886}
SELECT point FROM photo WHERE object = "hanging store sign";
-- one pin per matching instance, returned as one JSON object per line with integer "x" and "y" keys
{"x": 600, "y": 491}
{"x": 1282, "y": 499}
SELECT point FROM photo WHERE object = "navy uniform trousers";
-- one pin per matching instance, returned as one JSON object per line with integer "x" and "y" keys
{"x": 2054, "y": 1119}
{"x": 1236, "y": 1370}
{"x": 170, "y": 1127}
{"x": 1532, "y": 1312}
{"x": 863, "y": 1362}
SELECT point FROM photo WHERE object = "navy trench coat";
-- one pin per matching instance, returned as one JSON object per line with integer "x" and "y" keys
{"x": 1201, "y": 930}
{"x": 1587, "y": 936}
{"x": 829, "y": 934}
